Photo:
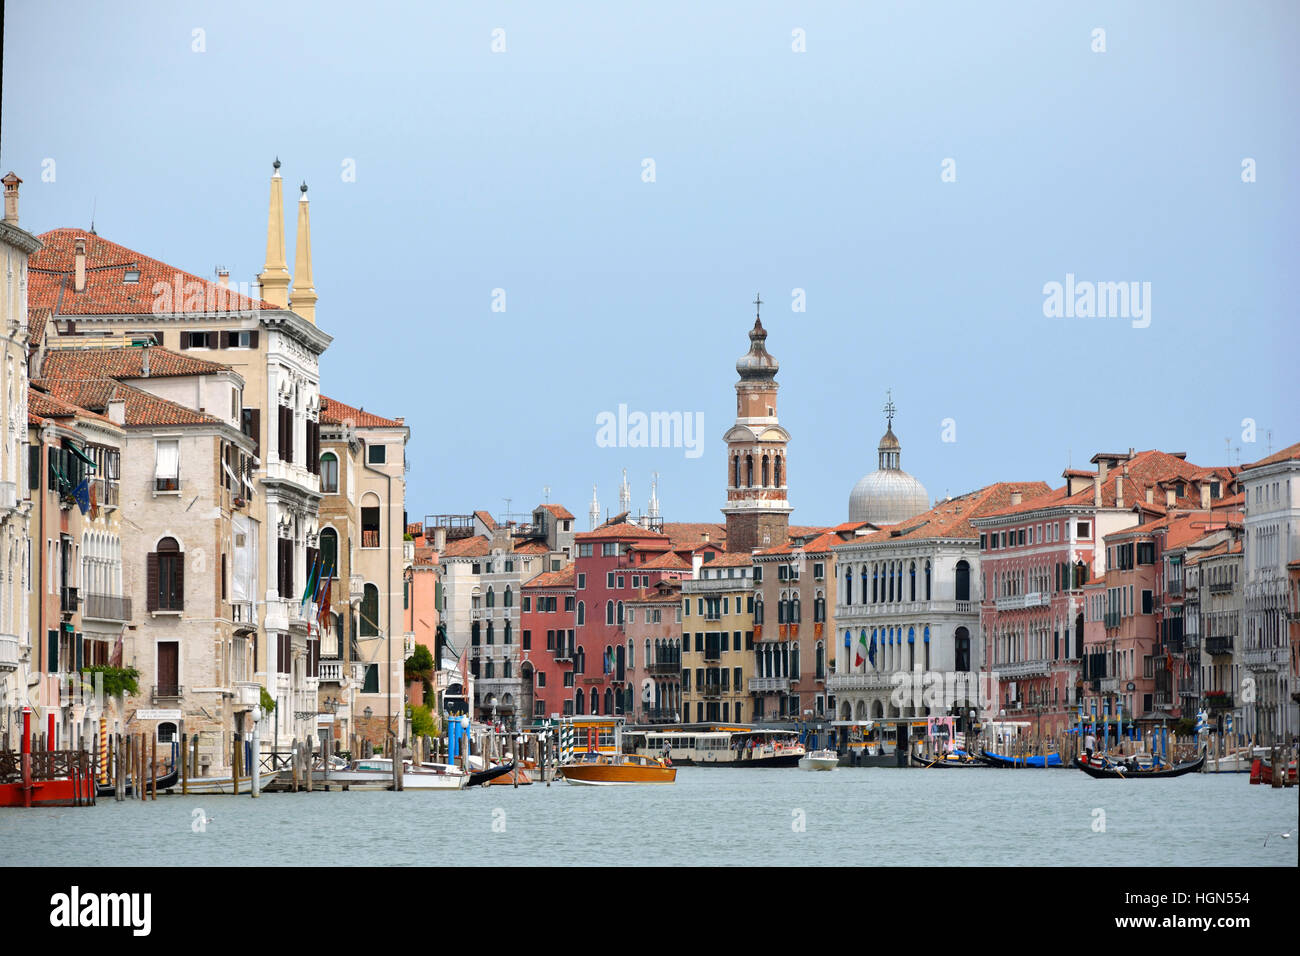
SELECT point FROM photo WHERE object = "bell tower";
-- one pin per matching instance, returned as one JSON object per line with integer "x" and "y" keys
{"x": 757, "y": 509}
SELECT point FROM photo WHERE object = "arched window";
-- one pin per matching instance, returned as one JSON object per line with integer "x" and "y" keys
{"x": 962, "y": 643}
{"x": 765, "y": 471}
{"x": 864, "y": 584}
{"x": 609, "y": 612}
{"x": 595, "y": 702}
{"x": 758, "y": 609}
{"x": 735, "y": 471}
{"x": 875, "y": 584}
{"x": 329, "y": 473}
{"x": 911, "y": 573}
{"x": 582, "y": 612}
{"x": 507, "y": 599}
{"x": 329, "y": 550}
{"x": 796, "y": 614}
{"x": 609, "y": 700}
{"x": 776, "y": 472}
{"x": 474, "y": 634}
{"x": 491, "y": 598}
{"x": 490, "y": 631}
{"x": 749, "y": 470}
{"x": 963, "y": 581}
{"x": 927, "y": 580}
{"x": 580, "y": 662}
{"x": 370, "y": 611}
{"x": 848, "y": 585}
{"x": 507, "y": 639}
{"x": 620, "y": 612}
{"x": 167, "y": 569}
{"x": 578, "y": 702}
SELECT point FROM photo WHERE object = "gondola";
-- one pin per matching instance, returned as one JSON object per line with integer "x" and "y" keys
{"x": 926, "y": 763}
{"x": 1102, "y": 769}
{"x": 165, "y": 782}
{"x": 991, "y": 759}
{"x": 477, "y": 777}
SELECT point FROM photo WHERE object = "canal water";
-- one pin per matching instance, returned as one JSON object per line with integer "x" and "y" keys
{"x": 711, "y": 816}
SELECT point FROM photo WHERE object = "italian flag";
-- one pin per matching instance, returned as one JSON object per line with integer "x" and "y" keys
{"x": 862, "y": 650}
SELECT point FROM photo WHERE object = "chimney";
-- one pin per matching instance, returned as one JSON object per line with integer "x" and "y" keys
{"x": 440, "y": 540}
{"x": 117, "y": 411}
{"x": 1169, "y": 497}
{"x": 1205, "y": 496}
{"x": 1016, "y": 498}
{"x": 1096, "y": 491}
{"x": 1103, "y": 466}
{"x": 11, "y": 182}
{"x": 145, "y": 362}
{"x": 706, "y": 537}
{"x": 697, "y": 562}
{"x": 1119, "y": 491}
{"x": 1151, "y": 494}
{"x": 223, "y": 277}
{"x": 79, "y": 277}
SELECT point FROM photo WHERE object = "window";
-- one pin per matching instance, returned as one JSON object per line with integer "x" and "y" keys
{"x": 584, "y": 551}
{"x": 370, "y": 537}
{"x": 167, "y": 464}
{"x": 329, "y": 473}
{"x": 1083, "y": 529}
{"x": 582, "y": 580}
{"x": 377, "y": 454}
{"x": 166, "y": 573}
{"x": 329, "y": 550}
{"x": 370, "y": 611}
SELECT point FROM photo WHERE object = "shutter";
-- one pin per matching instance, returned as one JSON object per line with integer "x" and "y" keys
{"x": 212, "y": 340}
{"x": 151, "y": 580}
{"x": 257, "y": 431}
{"x": 252, "y": 339}
{"x": 223, "y": 340}
{"x": 179, "y": 565}
{"x": 185, "y": 340}
{"x": 52, "y": 652}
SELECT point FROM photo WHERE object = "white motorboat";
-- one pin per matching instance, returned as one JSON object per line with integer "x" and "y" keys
{"x": 820, "y": 760}
{"x": 377, "y": 772}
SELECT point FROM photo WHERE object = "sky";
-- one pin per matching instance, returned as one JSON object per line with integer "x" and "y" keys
{"x": 526, "y": 215}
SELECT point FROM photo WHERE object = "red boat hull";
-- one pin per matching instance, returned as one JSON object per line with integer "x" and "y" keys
{"x": 1261, "y": 771}
{"x": 45, "y": 793}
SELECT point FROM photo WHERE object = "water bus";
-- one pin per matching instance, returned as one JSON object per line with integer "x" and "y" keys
{"x": 717, "y": 746}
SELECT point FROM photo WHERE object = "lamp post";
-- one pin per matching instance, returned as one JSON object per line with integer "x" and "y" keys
{"x": 256, "y": 714}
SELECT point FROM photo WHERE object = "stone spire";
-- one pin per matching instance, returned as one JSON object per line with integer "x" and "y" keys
{"x": 594, "y": 511}
{"x": 303, "y": 299}
{"x": 275, "y": 274}
{"x": 653, "y": 510}
{"x": 624, "y": 494}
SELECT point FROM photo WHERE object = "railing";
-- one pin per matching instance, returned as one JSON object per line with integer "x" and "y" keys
{"x": 712, "y": 690}
{"x": 107, "y": 607}
{"x": 1219, "y": 645}
{"x": 331, "y": 672}
{"x": 712, "y": 653}
{"x": 1174, "y": 586}
{"x": 763, "y": 685}
{"x": 1013, "y": 602}
{"x": 1112, "y": 619}
{"x": 8, "y": 652}
{"x": 106, "y": 492}
{"x": 663, "y": 668}
{"x": 875, "y": 681}
{"x": 68, "y": 600}
{"x": 167, "y": 692}
{"x": 1022, "y": 669}
{"x": 660, "y": 715}
{"x": 1218, "y": 587}
{"x": 964, "y": 607}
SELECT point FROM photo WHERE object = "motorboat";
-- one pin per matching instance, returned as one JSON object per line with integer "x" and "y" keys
{"x": 820, "y": 760}
{"x": 377, "y": 773}
{"x": 612, "y": 769}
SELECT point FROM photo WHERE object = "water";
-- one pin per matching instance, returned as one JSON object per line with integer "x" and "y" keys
{"x": 711, "y": 816}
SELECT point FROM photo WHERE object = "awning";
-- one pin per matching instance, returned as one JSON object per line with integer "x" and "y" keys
{"x": 72, "y": 447}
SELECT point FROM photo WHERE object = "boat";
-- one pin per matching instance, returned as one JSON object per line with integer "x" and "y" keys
{"x": 377, "y": 773}
{"x": 953, "y": 758}
{"x": 222, "y": 784}
{"x": 991, "y": 759}
{"x": 718, "y": 746}
{"x": 168, "y": 781}
{"x": 1239, "y": 761}
{"x": 607, "y": 770}
{"x": 820, "y": 760}
{"x": 492, "y": 775}
{"x": 1261, "y": 772}
{"x": 1103, "y": 768}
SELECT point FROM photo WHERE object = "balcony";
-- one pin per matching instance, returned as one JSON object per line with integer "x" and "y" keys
{"x": 769, "y": 685}
{"x": 712, "y": 690}
{"x": 712, "y": 653}
{"x": 1021, "y": 670}
{"x": 1217, "y": 646}
{"x": 1112, "y": 620}
{"x": 162, "y": 692}
{"x": 664, "y": 669}
{"x": 8, "y": 652}
{"x": 356, "y": 587}
{"x": 107, "y": 607}
{"x": 1110, "y": 685}
{"x": 331, "y": 672}
{"x": 1012, "y": 602}
{"x": 68, "y": 600}
{"x": 565, "y": 653}
{"x": 965, "y": 607}
{"x": 1218, "y": 701}
{"x": 1220, "y": 587}
{"x": 248, "y": 692}
{"x": 877, "y": 681}
{"x": 659, "y": 715}
{"x": 8, "y": 496}
{"x": 1173, "y": 586}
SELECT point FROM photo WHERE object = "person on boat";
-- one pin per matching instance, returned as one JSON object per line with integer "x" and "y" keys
{"x": 1089, "y": 745}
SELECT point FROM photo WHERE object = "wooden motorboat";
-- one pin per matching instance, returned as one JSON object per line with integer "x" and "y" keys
{"x": 820, "y": 760}
{"x": 606, "y": 770}
{"x": 1103, "y": 768}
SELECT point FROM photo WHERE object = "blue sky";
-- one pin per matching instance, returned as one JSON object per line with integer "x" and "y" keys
{"x": 775, "y": 170}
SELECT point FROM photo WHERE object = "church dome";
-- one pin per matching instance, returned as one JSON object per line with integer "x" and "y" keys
{"x": 758, "y": 364}
{"x": 888, "y": 495}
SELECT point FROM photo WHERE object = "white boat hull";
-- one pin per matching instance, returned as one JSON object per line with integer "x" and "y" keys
{"x": 818, "y": 763}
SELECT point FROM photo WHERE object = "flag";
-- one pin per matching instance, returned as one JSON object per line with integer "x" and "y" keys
{"x": 311, "y": 583}
{"x": 861, "y": 655}
{"x": 82, "y": 495}
{"x": 871, "y": 652}
{"x": 323, "y": 615}
{"x": 94, "y": 501}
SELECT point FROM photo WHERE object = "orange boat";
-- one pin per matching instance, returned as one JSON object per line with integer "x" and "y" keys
{"x": 608, "y": 770}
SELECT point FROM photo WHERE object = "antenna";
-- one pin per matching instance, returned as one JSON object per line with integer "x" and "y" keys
{"x": 94, "y": 205}
{"x": 546, "y": 492}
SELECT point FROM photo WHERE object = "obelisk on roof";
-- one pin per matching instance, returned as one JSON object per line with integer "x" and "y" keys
{"x": 303, "y": 300}
{"x": 275, "y": 274}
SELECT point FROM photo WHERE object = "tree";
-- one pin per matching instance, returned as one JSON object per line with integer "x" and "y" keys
{"x": 420, "y": 667}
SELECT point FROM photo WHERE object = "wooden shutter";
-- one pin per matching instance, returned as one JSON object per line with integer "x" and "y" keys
{"x": 179, "y": 564}
{"x": 223, "y": 339}
{"x": 151, "y": 580}
{"x": 185, "y": 339}
{"x": 252, "y": 339}
{"x": 212, "y": 340}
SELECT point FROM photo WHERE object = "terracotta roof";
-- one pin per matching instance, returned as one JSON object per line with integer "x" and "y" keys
{"x": 681, "y": 533}
{"x": 487, "y": 519}
{"x": 475, "y": 547}
{"x": 1181, "y": 528}
{"x": 70, "y": 363}
{"x": 818, "y": 545}
{"x": 622, "y": 529}
{"x": 732, "y": 559}
{"x": 658, "y": 595}
{"x": 334, "y": 412}
{"x": 1289, "y": 453}
{"x": 807, "y": 530}
{"x": 563, "y": 578}
{"x": 559, "y": 511}
{"x": 38, "y": 318}
{"x": 668, "y": 561}
{"x": 43, "y": 405}
{"x": 50, "y": 272}
{"x": 425, "y": 557}
{"x": 142, "y": 408}
{"x": 952, "y": 518}
{"x": 531, "y": 547}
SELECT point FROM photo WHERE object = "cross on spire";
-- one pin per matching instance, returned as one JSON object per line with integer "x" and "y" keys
{"x": 758, "y": 304}
{"x": 889, "y": 409}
